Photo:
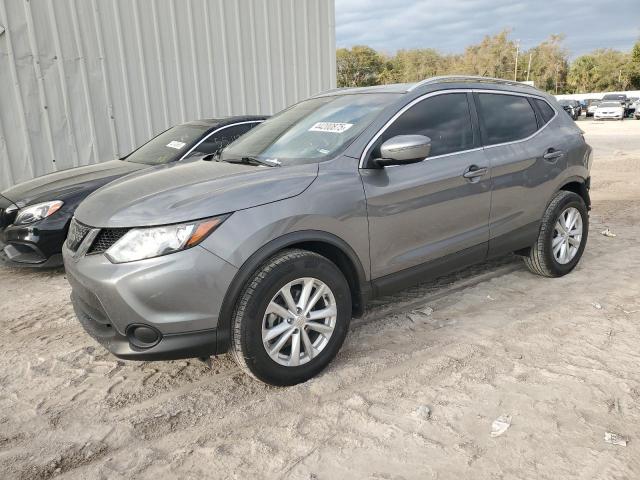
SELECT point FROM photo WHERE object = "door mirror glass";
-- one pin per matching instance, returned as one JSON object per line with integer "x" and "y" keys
{"x": 404, "y": 149}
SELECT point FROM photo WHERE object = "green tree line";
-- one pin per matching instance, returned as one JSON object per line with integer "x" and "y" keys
{"x": 546, "y": 64}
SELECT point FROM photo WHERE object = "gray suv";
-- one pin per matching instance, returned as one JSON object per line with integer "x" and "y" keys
{"x": 268, "y": 249}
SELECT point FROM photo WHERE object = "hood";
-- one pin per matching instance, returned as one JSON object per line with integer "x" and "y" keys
{"x": 67, "y": 183}
{"x": 177, "y": 193}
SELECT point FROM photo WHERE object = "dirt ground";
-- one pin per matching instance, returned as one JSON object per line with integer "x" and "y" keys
{"x": 412, "y": 394}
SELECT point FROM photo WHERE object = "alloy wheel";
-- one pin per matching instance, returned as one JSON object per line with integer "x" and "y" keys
{"x": 567, "y": 235}
{"x": 299, "y": 321}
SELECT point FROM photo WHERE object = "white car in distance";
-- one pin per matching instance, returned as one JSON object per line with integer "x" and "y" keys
{"x": 609, "y": 110}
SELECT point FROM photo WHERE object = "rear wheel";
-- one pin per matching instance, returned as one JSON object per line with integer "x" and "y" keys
{"x": 291, "y": 318}
{"x": 562, "y": 237}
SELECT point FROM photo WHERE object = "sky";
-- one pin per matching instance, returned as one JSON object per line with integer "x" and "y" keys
{"x": 449, "y": 26}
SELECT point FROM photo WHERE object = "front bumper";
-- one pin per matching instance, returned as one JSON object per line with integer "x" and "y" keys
{"x": 176, "y": 296}
{"x": 606, "y": 116}
{"x": 35, "y": 245}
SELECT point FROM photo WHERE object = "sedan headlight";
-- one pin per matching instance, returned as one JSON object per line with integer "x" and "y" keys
{"x": 36, "y": 212}
{"x": 141, "y": 243}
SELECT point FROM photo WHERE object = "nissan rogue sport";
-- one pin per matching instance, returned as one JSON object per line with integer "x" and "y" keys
{"x": 268, "y": 249}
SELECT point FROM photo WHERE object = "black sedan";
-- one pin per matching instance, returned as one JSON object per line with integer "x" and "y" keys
{"x": 35, "y": 215}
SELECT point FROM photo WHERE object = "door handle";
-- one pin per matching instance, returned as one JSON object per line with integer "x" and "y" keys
{"x": 553, "y": 154}
{"x": 474, "y": 172}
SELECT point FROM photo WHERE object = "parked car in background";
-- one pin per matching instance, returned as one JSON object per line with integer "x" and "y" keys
{"x": 572, "y": 107}
{"x": 636, "y": 112}
{"x": 592, "y": 104}
{"x": 583, "y": 106}
{"x": 609, "y": 110}
{"x": 618, "y": 97}
{"x": 634, "y": 103}
{"x": 35, "y": 215}
{"x": 269, "y": 250}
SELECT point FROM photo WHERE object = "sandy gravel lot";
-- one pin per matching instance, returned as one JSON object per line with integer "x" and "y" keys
{"x": 412, "y": 394}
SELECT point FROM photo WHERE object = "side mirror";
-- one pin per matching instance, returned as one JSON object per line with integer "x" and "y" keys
{"x": 403, "y": 149}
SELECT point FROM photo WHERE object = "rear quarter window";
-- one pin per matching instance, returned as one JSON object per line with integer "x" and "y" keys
{"x": 506, "y": 118}
{"x": 545, "y": 110}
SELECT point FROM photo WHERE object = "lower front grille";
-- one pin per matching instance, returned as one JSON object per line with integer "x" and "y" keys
{"x": 106, "y": 238}
{"x": 77, "y": 232}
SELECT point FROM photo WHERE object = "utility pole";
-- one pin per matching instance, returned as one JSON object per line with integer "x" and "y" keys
{"x": 557, "y": 68}
{"x": 529, "y": 67}
{"x": 515, "y": 70}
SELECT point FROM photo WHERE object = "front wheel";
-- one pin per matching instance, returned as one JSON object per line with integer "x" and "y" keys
{"x": 562, "y": 238}
{"x": 291, "y": 318}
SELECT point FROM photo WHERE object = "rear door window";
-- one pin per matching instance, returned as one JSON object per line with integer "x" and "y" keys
{"x": 506, "y": 118}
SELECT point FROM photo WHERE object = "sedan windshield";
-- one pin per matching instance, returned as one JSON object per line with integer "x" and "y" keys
{"x": 170, "y": 145}
{"x": 314, "y": 129}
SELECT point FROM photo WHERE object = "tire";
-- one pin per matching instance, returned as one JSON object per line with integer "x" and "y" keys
{"x": 541, "y": 258}
{"x": 251, "y": 322}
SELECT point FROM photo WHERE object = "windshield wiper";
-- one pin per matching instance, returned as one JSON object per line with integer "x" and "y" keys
{"x": 254, "y": 161}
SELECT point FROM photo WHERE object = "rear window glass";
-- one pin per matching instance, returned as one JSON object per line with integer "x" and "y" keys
{"x": 506, "y": 118}
{"x": 545, "y": 109}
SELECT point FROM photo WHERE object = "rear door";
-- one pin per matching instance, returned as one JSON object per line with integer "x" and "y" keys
{"x": 424, "y": 211}
{"x": 526, "y": 158}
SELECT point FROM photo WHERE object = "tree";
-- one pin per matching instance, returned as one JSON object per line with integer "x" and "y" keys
{"x": 359, "y": 66}
{"x": 634, "y": 66}
{"x": 582, "y": 74}
{"x": 549, "y": 64}
{"x": 493, "y": 57}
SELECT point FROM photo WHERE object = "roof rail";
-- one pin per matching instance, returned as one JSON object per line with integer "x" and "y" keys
{"x": 476, "y": 78}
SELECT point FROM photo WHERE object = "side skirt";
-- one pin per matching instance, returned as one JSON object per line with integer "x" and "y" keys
{"x": 435, "y": 268}
{"x": 518, "y": 239}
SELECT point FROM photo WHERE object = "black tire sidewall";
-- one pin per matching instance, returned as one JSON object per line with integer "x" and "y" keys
{"x": 256, "y": 357}
{"x": 572, "y": 200}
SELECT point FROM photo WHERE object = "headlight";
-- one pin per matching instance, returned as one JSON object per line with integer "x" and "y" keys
{"x": 141, "y": 243}
{"x": 36, "y": 212}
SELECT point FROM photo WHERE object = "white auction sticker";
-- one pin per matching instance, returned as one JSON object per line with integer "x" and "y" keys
{"x": 332, "y": 127}
{"x": 175, "y": 144}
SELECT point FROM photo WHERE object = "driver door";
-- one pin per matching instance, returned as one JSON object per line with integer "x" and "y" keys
{"x": 422, "y": 212}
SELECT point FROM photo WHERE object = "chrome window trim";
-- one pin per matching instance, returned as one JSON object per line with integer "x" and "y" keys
{"x": 456, "y": 90}
{"x": 415, "y": 101}
{"x": 216, "y": 131}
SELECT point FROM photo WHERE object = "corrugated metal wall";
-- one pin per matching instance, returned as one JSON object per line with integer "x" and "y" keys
{"x": 84, "y": 81}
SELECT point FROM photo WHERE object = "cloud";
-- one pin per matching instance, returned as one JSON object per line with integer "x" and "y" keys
{"x": 450, "y": 26}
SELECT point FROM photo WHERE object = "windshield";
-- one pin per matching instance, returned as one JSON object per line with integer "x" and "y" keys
{"x": 614, "y": 97}
{"x": 168, "y": 146}
{"x": 314, "y": 129}
{"x": 610, "y": 104}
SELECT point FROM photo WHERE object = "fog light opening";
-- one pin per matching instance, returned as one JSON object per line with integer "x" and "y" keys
{"x": 143, "y": 336}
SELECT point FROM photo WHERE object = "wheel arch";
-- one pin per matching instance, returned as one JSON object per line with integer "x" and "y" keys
{"x": 323, "y": 243}
{"x": 579, "y": 186}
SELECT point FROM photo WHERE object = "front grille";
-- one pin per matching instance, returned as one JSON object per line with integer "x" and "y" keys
{"x": 106, "y": 238}
{"x": 77, "y": 232}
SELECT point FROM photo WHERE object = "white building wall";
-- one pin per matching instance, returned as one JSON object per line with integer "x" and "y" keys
{"x": 85, "y": 81}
